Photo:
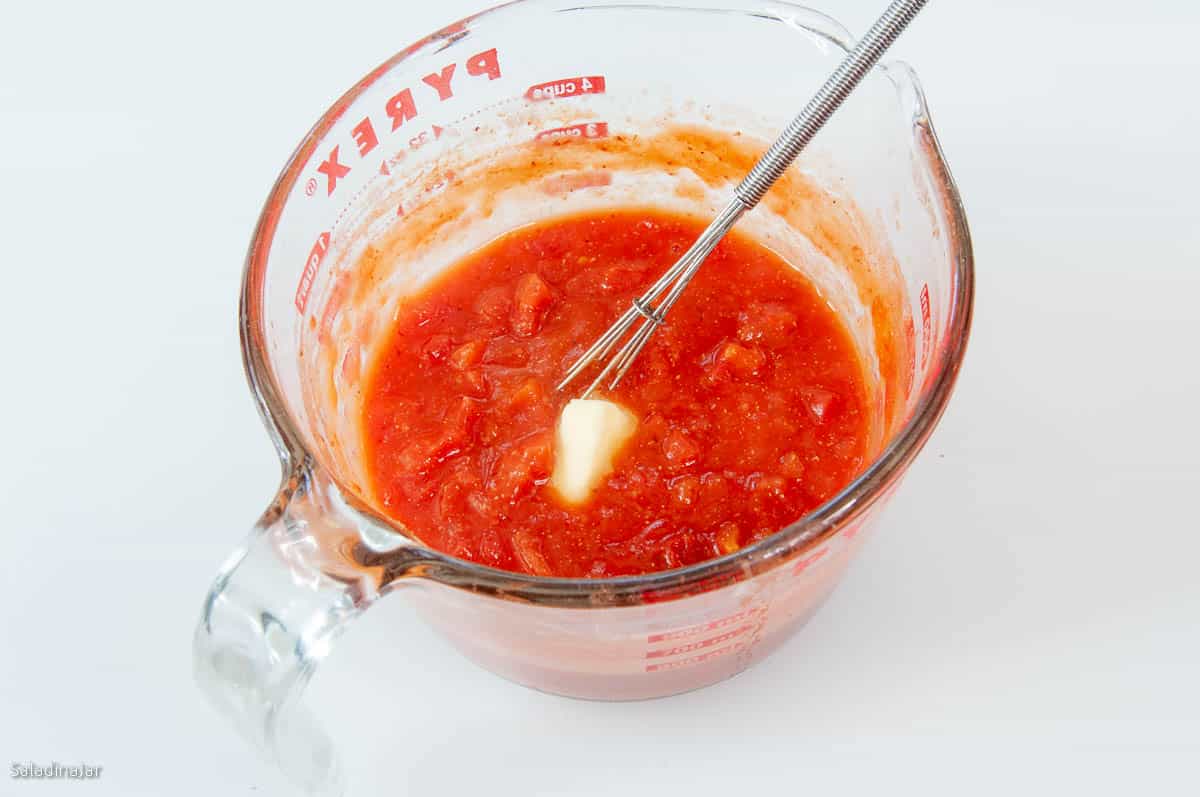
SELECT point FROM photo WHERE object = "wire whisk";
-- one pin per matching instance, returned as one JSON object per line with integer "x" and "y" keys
{"x": 769, "y": 168}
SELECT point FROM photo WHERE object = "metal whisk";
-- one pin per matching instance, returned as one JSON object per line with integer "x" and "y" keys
{"x": 769, "y": 168}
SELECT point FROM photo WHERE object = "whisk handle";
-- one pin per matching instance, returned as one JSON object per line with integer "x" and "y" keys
{"x": 816, "y": 113}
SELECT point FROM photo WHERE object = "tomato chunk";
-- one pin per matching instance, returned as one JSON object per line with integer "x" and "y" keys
{"x": 468, "y": 355}
{"x": 532, "y": 300}
{"x": 738, "y": 360}
{"x": 522, "y": 469}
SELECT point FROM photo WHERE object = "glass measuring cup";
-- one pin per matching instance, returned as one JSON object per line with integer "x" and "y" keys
{"x": 524, "y": 112}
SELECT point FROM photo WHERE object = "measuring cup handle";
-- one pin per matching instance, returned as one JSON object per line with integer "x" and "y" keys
{"x": 268, "y": 620}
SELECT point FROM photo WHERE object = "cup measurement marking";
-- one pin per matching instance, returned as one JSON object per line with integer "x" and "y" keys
{"x": 585, "y": 130}
{"x": 699, "y": 644}
{"x": 566, "y": 87}
{"x": 699, "y": 659}
{"x": 926, "y": 325}
{"x": 702, "y": 628}
{"x": 315, "y": 255}
{"x": 742, "y": 629}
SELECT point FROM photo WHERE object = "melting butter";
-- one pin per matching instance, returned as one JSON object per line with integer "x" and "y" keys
{"x": 590, "y": 434}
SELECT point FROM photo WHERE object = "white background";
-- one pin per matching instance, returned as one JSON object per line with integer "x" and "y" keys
{"x": 1026, "y": 621}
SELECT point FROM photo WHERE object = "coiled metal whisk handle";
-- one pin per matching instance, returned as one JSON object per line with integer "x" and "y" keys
{"x": 769, "y": 168}
{"x": 829, "y": 97}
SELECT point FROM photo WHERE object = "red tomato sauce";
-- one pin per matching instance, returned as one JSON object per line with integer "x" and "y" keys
{"x": 750, "y": 401}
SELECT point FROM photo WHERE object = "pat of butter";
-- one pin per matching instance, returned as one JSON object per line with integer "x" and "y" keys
{"x": 590, "y": 433}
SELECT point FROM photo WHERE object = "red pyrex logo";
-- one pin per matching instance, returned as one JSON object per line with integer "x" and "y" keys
{"x": 402, "y": 107}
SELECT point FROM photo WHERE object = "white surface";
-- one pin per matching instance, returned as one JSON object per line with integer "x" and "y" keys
{"x": 1027, "y": 621}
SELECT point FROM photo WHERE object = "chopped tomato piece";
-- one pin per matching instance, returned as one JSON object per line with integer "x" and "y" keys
{"x": 766, "y": 323}
{"x": 685, "y": 490}
{"x": 474, "y": 383}
{"x": 493, "y": 303}
{"x": 437, "y": 348}
{"x": 532, "y": 300}
{"x": 791, "y": 466}
{"x": 529, "y": 394}
{"x": 529, "y": 551}
{"x": 468, "y": 354}
{"x": 522, "y": 469}
{"x": 679, "y": 451}
{"x": 738, "y": 360}
{"x": 818, "y": 402}
{"x": 728, "y": 537}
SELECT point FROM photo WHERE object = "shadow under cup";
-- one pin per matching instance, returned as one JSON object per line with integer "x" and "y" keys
{"x": 523, "y": 113}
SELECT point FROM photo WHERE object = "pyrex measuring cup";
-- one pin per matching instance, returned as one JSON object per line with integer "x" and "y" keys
{"x": 527, "y": 111}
